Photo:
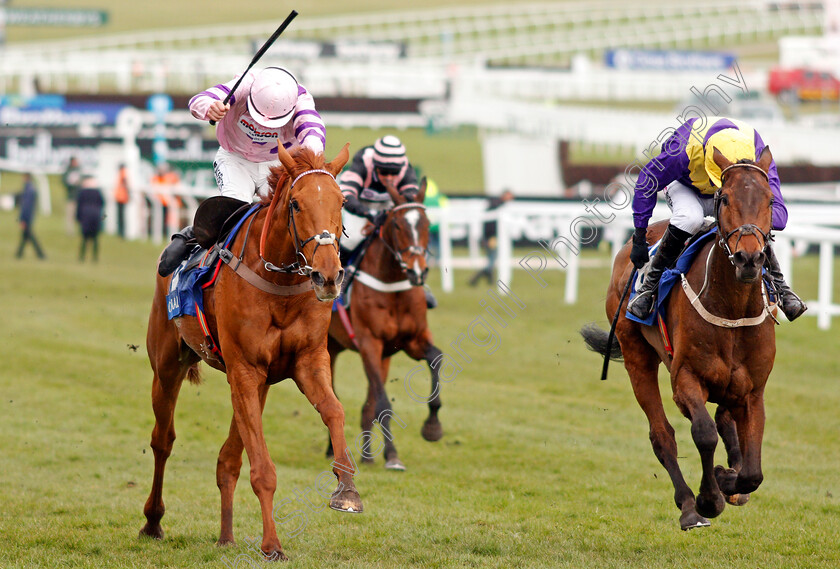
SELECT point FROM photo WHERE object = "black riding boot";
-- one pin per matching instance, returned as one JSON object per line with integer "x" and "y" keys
{"x": 176, "y": 251}
{"x": 788, "y": 301}
{"x": 673, "y": 241}
{"x": 431, "y": 301}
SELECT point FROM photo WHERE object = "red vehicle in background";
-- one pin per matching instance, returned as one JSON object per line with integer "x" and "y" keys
{"x": 803, "y": 84}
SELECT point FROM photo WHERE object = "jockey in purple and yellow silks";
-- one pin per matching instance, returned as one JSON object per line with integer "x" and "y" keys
{"x": 687, "y": 173}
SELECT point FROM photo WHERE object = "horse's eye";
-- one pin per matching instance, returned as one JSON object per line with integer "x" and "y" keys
{"x": 724, "y": 199}
{"x": 295, "y": 206}
{"x": 772, "y": 202}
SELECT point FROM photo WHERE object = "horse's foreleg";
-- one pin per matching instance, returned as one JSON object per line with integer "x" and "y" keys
{"x": 432, "y": 429}
{"x": 311, "y": 379}
{"x": 642, "y": 363}
{"x": 245, "y": 385}
{"x": 164, "y": 397}
{"x": 334, "y": 349}
{"x": 377, "y": 404}
{"x": 750, "y": 422}
{"x": 726, "y": 476}
{"x": 691, "y": 400}
{"x": 228, "y": 467}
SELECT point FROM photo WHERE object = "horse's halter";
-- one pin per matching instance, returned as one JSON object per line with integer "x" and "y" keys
{"x": 414, "y": 248}
{"x": 323, "y": 238}
{"x": 747, "y": 228}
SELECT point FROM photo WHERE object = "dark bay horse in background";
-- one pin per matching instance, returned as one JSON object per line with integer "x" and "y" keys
{"x": 388, "y": 314}
{"x": 263, "y": 337}
{"x": 723, "y": 350}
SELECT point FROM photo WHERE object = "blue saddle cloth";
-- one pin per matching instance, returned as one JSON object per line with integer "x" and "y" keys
{"x": 186, "y": 296}
{"x": 670, "y": 277}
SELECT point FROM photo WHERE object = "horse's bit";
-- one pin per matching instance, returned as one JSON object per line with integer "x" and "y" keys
{"x": 743, "y": 230}
{"x": 323, "y": 238}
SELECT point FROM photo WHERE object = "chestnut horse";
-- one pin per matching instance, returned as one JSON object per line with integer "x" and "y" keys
{"x": 264, "y": 337}
{"x": 723, "y": 343}
{"x": 388, "y": 315}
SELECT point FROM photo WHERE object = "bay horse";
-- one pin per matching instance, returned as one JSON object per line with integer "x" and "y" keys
{"x": 263, "y": 337}
{"x": 388, "y": 314}
{"x": 723, "y": 343}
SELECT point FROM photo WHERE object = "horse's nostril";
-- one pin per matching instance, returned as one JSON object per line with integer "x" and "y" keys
{"x": 317, "y": 278}
{"x": 339, "y": 278}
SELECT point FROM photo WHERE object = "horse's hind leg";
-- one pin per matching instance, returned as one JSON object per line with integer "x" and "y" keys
{"x": 228, "y": 468}
{"x": 432, "y": 429}
{"x": 165, "y": 389}
{"x": 726, "y": 476}
{"x": 642, "y": 363}
{"x": 423, "y": 348}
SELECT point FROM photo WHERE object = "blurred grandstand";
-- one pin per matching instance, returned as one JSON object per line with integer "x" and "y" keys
{"x": 533, "y": 77}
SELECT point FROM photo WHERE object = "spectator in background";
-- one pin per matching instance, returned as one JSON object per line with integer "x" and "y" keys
{"x": 72, "y": 178}
{"x": 490, "y": 241}
{"x": 121, "y": 198}
{"x": 163, "y": 181}
{"x": 434, "y": 199}
{"x": 89, "y": 214}
{"x": 28, "y": 201}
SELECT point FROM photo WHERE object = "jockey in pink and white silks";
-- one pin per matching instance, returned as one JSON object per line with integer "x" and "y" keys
{"x": 687, "y": 173}
{"x": 269, "y": 107}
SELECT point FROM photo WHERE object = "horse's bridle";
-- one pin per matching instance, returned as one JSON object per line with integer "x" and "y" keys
{"x": 414, "y": 248}
{"x": 743, "y": 230}
{"x": 323, "y": 238}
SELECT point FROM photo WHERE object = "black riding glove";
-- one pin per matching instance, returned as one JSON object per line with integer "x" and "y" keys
{"x": 354, "y": 206}
{"x": 639, "y": 255}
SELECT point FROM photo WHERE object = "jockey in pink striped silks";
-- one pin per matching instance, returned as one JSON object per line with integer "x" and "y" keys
{"x": 269, "y": 107}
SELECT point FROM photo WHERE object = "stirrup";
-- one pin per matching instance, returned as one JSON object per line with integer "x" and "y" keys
{"x": 792, "y": 306}
{"x": 634, "y": 307}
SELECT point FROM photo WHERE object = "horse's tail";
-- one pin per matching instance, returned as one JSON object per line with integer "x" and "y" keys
{"x": 194, "y": 374}
{"x": 596, "y": 340}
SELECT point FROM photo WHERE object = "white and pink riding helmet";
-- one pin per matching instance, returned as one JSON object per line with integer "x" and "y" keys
{"x": 273, "y": 97}
{"x": 389, "y": 154}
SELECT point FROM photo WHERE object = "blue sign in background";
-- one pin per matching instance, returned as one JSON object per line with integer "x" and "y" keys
{"x": 668, "y": 60}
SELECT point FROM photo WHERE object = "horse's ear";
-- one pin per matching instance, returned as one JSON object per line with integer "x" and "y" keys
{"x": 765, "y": 160}
{"x": 285, "y": 158}
{"x": 721, "y": 160}
{"x": 339, "y": 161}
{"x": 421, "y": 195}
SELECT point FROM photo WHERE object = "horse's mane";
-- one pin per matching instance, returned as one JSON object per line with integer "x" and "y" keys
{"x": 305, "y": 159}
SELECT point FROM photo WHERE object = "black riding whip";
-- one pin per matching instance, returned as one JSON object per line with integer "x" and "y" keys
{"x": 611, "y": 335}
{"x": 260, "y": 53}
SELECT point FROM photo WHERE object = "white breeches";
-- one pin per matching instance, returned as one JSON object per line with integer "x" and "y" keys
{"x": 687, "y": 207}
{"x": 240, "y": 178}
{"x": 353, "y": 224}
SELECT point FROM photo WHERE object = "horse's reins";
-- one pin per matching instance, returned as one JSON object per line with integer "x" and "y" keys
{"x": 743, "y": 230}
{"x": 323, "y": 238}
{"x": 414, "y": 248}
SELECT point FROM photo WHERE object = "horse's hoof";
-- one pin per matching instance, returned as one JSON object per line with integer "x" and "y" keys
{"x": 432, "y": 430}
{"x": 710, "y": 508}
{"x": 726, "y": 479}
{"x": 738, "y": 499}
{"x": 155, "y": 531}
{"x": 225, "y": 542}
{"x": 693, "y": 520}
{"x": 275, "y": 555}
{"x": 347, "y": 501}
{"x": 394, "y": 464}
{"x": 367, "y": 460}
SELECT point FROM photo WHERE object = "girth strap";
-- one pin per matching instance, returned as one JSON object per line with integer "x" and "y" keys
{"x": 235, "y": 263}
